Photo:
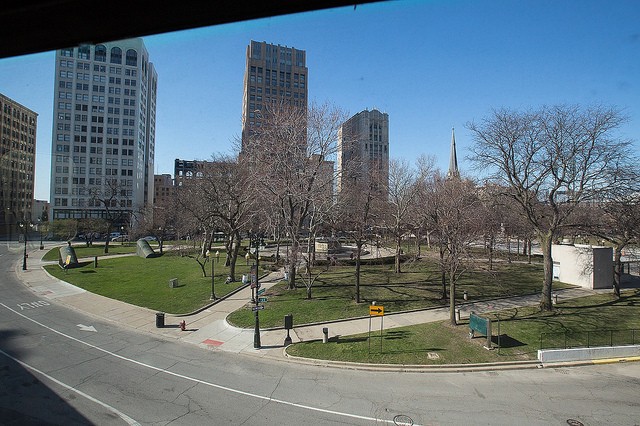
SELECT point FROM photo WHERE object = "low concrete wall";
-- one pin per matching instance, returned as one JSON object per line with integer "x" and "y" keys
{"x": 585, "y": 354}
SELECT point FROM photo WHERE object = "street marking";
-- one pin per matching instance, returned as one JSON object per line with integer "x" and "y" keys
{"x": 203, "y": 382}
{"x": 119, "y": 413}
{"x": 87, "y": 327}
{"x": 33, "y": 305}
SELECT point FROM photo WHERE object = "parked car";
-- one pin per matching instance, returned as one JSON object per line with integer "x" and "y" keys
{"x": 120, "y": 238}
{"x": 150, "y": 238}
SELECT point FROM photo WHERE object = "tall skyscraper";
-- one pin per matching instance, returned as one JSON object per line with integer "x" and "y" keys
{"x": 17, "y": 162}
{"x": 103, "y": 147}
{"x": 275, "y": 76}
{"x": 363, "y": 151}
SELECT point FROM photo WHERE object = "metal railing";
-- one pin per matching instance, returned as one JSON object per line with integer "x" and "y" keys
{"x": 589, "y": 339}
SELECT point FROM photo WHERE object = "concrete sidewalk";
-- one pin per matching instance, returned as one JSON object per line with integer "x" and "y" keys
{"x": 209, "y": 328}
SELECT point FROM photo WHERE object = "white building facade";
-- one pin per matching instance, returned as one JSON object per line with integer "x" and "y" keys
{"x": 583, "y": 265}
{"x": 103, "y": 137}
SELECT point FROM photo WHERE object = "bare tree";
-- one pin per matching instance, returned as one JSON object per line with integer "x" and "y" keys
{"x": 198, "y": 213}
{"x": 290, "y": 164}
{"x": 549, "y": 161}
{"x": 402, "y": 191}
{"x": 116, "y": 204}
{"x": 225, "y": 189}
{"x": 358, "y": 205}
{"x": 453, "y": 213}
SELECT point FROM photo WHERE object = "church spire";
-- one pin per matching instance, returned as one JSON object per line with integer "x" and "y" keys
{"x": 453, "y": 158}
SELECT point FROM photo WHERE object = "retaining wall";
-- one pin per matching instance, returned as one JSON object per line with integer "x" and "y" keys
{"x": 585, "y": 354}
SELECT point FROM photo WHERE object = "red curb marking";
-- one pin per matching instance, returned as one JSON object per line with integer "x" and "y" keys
{"x": 212, "y": 342}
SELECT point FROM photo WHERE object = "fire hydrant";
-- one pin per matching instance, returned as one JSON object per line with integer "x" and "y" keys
{"x": 183, "y": 325}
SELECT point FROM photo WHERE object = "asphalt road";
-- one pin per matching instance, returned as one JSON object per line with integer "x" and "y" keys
{"x": 55, "y": 369}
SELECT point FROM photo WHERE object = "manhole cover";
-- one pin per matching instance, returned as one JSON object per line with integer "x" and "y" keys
{"x": 402, "y": 420}
{"x": 574, "y": 422}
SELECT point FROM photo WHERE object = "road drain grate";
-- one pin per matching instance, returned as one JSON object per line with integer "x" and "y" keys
{"x": 402, "y": 420}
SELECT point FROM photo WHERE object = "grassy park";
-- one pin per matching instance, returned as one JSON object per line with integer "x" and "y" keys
{"x": 418, "y": 287}
{"x": 520, "y": 331}
{"x": 144, "y": 282}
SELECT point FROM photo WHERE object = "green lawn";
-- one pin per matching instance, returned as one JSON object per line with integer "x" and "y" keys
{"x": 145, "y": 282}
{"x": 520, "y": 331}
{"x": 97, "y": 249}
{"x": 418, "y": 287}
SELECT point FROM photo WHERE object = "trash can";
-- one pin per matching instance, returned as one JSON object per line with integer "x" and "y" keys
{"x": 288, "y": 322}
{"x": 159, "y": 319}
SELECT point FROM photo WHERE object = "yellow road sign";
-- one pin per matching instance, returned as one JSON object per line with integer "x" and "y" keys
{"x": 376, "y": 310}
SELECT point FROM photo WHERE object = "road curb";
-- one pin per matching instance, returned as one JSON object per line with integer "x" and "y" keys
{"x": 415, "y": 368}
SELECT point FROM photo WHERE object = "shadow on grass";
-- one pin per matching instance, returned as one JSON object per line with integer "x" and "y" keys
{"x": 397, "y": 334}
{"x": 413, "y": 351}
{"x": 507, "y": 341}
{"x": 338, "y": 339}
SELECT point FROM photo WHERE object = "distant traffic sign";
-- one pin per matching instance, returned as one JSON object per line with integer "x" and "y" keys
{"x": 258, "y": 308}
{"x": 262, "y": 299}
{"x": 262, "y": 290}
{"x": 376, "y": 310}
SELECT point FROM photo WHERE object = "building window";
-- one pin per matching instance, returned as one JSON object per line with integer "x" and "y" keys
{"x": 84, "y": 52}
{"x": 116, "y": 55}
{"x": 131, "y": 58}
{"x": 100, "y": 53}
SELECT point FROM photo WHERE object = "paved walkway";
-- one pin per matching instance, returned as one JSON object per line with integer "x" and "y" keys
{"x": 209, "y": 328}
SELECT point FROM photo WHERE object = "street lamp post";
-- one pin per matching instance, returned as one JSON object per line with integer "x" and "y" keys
{"x": 256, "y": 333}
{"x": 213, "y": 289}
{"x": 23, "y": 225}
{"x": 40, "y": 232}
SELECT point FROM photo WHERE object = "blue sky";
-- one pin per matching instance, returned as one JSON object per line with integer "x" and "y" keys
{"x": 431, "y": 65}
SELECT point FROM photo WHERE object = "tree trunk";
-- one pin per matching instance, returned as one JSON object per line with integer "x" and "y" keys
{"x": 228, "y": 245}
{"x": 617, "y": 269}
{"x": 234, "y": 256}
{"x": 545, "y": 244}
{"x": 291, "y": 285}
{"x": 443, "y": 275}
{"x": 293, "y": 259}
{"x": 491, "y": 245}
{"x": 452, "y": 296}
{"x": 398, "y": 250}
{"x": 358, "y": 253}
